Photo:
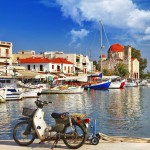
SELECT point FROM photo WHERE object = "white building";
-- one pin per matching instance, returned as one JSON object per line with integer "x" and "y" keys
{"x": 41, "y": 64}
{"x": 81, "y": 62}
{"x": 5, "y": 56}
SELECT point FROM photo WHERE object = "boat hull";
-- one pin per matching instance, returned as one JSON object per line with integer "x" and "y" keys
{"x": 98, "y": 86}
{"x": 10, "y": 93}
{"x": 71, "y": 90}
{"x": 31, "y": 93}
{"x": 117, "y": 85}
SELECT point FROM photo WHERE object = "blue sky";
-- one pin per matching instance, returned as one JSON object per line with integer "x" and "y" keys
{"x": 72, "y": 26}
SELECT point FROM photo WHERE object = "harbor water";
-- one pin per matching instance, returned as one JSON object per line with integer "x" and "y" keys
{"x": 118, "y": 112}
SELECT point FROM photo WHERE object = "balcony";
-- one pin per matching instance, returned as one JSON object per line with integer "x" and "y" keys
{"x": 5, "y": 55}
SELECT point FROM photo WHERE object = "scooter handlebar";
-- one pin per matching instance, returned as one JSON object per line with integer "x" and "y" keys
{"x": 40, "y": 103}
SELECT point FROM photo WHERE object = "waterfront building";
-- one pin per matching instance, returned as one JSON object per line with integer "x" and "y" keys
{"x": 22, "y": 54}
{"x": 5, "y": 56}
{"x": 46, "y": 65}
{"x": 82, "y": 63}
{"x": 118, "y": 53}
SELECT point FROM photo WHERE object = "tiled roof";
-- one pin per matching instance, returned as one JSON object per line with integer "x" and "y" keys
{"x": 116, "y": 48}
{"x": 44, "y": 60}
{"x": 60, "y": 60}
{"x": 34, "y": 60}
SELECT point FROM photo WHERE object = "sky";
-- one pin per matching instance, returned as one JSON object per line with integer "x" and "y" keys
{"x": 73, "y": 26}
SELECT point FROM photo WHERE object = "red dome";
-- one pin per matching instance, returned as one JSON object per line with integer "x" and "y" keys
{"x": 116, "y": 48}
{"x": 103, "y": 56}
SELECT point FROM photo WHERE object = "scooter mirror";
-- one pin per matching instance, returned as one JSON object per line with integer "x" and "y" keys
{"x": 38, "y": 94}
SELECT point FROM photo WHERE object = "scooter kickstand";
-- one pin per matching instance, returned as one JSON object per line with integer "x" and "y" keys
{"x": 55, "y": 142}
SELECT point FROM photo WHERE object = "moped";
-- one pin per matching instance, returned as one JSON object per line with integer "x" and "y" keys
{"x": 72, "y": 129}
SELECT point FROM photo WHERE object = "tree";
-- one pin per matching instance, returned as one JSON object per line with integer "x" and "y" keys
{"x": 95, "y": 64}
{"x": 142, "y": 61}
{"x": 121, "y": 70}
{"x": 147, "y": 75}
{"x": 106, "y": 72}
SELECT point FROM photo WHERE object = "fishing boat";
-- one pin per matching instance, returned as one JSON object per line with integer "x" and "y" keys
{"x": 131, "y": 83}
{"x": 142, "y": 83}
{"x": 98, "y": 86}
{"x": 95, "y": 82}
{"x": 29, "y": 85}
{"x": 64, "y": 85}
{"x": 9, "y": 90}
{"x": 31, "y": 93}
{"x": 63, "y": 89}
{"x": 116, "y": 82}
{"x": 10, "y": 93}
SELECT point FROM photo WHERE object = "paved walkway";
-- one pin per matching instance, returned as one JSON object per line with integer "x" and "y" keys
{"x": 11, "y": 145}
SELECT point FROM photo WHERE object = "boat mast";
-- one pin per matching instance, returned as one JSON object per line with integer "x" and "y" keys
{"x": 101, "y": 46}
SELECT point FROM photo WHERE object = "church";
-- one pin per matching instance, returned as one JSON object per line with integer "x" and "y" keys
{"x": 121, "y": 54}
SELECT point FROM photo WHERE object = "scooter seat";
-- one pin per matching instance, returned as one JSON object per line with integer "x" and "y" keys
{"x": 59, "y": 115}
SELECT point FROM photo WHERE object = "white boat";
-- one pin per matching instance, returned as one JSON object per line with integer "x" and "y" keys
{"x": 116, "y": 82}
{"x": 8, "y": 89}
{"x": 63, "y": 89}
{"x": 143, "y": 83}
{"x": 10, "y": 93}
{"x": 130, "y": 83}
{"x": 28, "y": 93}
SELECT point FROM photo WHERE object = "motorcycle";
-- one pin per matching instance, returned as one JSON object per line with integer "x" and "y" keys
{"x": 72, "y": 129}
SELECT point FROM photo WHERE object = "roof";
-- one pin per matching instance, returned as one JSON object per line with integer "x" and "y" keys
{"x": 116, "y": 48}
{"x": 44, "y": 60}
{"x": 60, "y": 60}
{"x": 134, "y": 59}
{"x": 34, "y": 60}
{"x": 103, "y": 56}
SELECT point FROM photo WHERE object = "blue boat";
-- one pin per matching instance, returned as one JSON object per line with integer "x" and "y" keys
{"x": 104, "y": 85}
{"x": 95, "y": 82}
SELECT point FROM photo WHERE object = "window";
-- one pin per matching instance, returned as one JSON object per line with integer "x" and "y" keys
{"x": 34, "y": 66}
{"x": 41, "y": 67}
{"x": 65, "y": 68}
{"x": 77, "y": 60}
{"x": 7, "y": 51}
{"x": 52, "y": 66}
{"x": 68, "y": 69}
{"x": 28, "y": 67}
{"x": 58, "y": 68}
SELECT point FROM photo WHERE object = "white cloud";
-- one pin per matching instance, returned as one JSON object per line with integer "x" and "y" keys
{"x": 78, "y": 34}
{"x": 147, "y": 31}
{"x": 122, "y": 14}
{"x": 48, "y": 3}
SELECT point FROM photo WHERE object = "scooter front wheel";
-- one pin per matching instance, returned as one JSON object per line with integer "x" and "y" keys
{"x": 22, "y": 138}
{"x": 74, "y": 136}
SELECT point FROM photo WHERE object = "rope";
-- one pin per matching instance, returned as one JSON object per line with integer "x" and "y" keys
{"x": 113, "y": 60}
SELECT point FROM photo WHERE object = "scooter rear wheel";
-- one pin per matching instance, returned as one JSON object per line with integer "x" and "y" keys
{"x": 74, "y": 137}
{"x": 21, "y": 138}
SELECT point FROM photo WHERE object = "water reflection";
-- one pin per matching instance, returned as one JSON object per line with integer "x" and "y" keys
{"x": 118, "y": 112}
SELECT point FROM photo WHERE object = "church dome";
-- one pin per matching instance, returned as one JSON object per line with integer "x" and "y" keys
{"x": 116, "y": 48}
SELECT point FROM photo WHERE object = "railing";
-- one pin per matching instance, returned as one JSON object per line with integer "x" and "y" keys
{"x": 5, "y": 55}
